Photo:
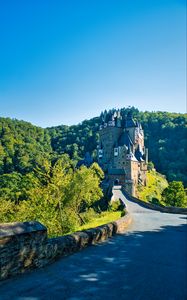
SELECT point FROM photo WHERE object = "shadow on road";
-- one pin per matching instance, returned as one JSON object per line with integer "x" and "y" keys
{"x": 143, "y": 265}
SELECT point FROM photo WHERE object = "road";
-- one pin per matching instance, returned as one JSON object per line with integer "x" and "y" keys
{"x": 147, "y": 262}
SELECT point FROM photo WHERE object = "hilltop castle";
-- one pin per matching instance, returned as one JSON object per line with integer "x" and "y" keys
{"x": 121, "y": 151}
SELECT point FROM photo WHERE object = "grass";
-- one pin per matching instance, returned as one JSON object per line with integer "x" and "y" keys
{"x": 105, "y": 217}
{"x": 156, "y": 183}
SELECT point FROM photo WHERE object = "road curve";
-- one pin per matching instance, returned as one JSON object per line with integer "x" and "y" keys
{"x": 147, "y": 262}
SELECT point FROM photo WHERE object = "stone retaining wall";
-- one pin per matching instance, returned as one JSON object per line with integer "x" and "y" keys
{"x": 166, "y": 209}
{"x": 25, "y": 246}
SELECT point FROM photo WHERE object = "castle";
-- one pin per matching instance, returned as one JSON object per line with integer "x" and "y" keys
{"x": 121, "y": 151}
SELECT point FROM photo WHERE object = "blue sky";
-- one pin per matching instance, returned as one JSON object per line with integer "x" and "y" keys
{"x": 65, "y": 61}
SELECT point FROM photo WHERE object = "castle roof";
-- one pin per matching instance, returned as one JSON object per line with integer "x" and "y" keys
{"x": 139, "y": 154}
{"x": 111, "y": 115}
{"x": 125, "y": 140}
{"x": 130, "y": 122}
{"x": 139, "y": 125}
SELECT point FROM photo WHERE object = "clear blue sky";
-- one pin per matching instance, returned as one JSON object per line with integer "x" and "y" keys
{"x": 65, "y": 61}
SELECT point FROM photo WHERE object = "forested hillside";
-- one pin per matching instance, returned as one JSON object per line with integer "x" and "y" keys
{"x": 23, "y": 147}
{"x": 165, "y": 137}
{"x": 39, "y": 181}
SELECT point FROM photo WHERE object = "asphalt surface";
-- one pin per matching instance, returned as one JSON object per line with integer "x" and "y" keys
{"x": 147, "y": 262}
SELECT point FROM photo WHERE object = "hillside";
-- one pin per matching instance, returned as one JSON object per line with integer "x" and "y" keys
{"x": 24, "y": 146}
{"x": 38, "y": 181}
{"x": 156, "y": 183}
{"x": 165, "y": 137}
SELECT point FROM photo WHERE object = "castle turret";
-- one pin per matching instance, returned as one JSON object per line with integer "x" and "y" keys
{"x": 146, "y": 155}
{"x": 118, "y": 119}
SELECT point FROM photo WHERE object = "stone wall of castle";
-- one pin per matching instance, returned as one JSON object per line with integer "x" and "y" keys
{"x": 108, "y": 137}
{"x": 119, "y": 160}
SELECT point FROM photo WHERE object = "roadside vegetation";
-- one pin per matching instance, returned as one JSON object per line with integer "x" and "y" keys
{"x": 115, "y": 210}
{"x": 158, "y": 191}
{"x": 152, "y": 192}
{"x": 58, "y": 195}
{"x": 175, "y": 195}
{"x": 102, "y": 218}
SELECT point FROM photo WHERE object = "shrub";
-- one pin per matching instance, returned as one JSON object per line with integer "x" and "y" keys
{"x": 155, "y": 201}
{"x": 150, "y": 165}
{"x": 175, "y": 195}
{"x": 116, "y": 205}
{"x": 89, "y": 215}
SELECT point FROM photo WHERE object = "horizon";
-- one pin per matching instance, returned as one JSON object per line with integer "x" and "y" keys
{"x": 64, "y": 63}
{"x": 87, "y": 119}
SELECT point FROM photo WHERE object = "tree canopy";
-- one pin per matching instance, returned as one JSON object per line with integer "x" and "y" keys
{"x": 57, "y": 198}
{"x": 175, "y": 195}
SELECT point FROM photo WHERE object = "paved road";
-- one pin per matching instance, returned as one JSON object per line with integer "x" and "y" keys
{"x": 148, "y": 262}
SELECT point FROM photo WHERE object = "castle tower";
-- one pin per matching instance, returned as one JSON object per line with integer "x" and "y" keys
{"x": 131, "y": 126}
{"x": 121, "y": 152}
{"x": 109, "y": 133}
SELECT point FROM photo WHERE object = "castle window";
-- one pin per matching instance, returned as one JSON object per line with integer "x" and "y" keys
{"x": 115, "y": 151}
{"x": 100, "y": 152}
{"x": 111, "y": 123}
{"x": 129, "y": 156}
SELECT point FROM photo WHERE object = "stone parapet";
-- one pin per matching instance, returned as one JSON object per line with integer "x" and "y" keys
{"x": 20, "y": 246}
{"x": 25, "y": 246}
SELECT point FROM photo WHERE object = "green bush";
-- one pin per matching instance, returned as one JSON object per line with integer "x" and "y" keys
{"x": 116, "y": 205}
{"x": 175, "y": 194}
{"x": 150, "y": 165}
{"x": 156, "y": 183}
{"x": 88, "y": 215}
{"x": 155, "y": 201}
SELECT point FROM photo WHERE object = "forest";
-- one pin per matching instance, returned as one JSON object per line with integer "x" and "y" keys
{"x": 23, "y": 146}
{"x": 165, "y": 137}
{"x": 38, "y": 174}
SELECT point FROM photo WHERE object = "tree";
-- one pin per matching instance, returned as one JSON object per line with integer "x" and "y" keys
{"x": 150, "y": 165}
{"x": 55, "y": 195}
{"x": 98, "y": 171}
{"x": 175, "y": 195}
{"x": 84, "y": 189}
